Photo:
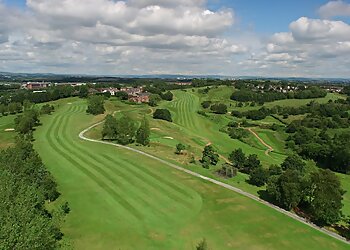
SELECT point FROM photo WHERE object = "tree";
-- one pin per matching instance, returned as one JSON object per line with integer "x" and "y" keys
{"x": 47, "y": 109}
{"x": 154, "y": 99}
{"x": 27, "y": 105}
{"x": 202, "y": 245}
{"x": 293, "y": 162}
{"x": 3, "y": 109}
{"x": 143, "y": 133}
{"x": 125, "y": 130}
{"x": 65, "y": 208}
{"x": 122, "y": 95}
{"x": 83, "y": 91}
{"x": 209, "y": 156}
{"x": 109, "y": 128}
{"x": 179, "y": 148}
{"x": 206, "y": 104}
{"x": 275, "y": 170}
{"x": 25, "y": 186}
{"x": 237, "y": 158}
{"x": 258, "y": 176}
{"x": 251, "y": 163}
{"x": 168, "y": 96}
{"x": 14, "y": 107}
{"x": 286, "y": 189}
{"x": 219, "y": 108}
{"x": 163, "y": 114}
{"x": 95, "y": 105}
{"x": 25, "y": 123}
{"x": 325, "y": 197}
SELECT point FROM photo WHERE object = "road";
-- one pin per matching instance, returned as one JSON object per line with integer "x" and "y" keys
{"x": 224, "y": 185}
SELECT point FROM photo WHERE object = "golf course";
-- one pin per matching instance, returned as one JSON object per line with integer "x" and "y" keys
{"x": 123, "y": 200}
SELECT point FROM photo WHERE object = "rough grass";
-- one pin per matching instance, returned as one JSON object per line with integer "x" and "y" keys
{"x": 120, "y": 200}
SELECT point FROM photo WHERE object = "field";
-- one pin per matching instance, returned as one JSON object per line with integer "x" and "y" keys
{"x": 120, "y": 200}
{"x": 6, "y": 135}
{"x": 222, "y": 94}
{"x": 196, "y": 131}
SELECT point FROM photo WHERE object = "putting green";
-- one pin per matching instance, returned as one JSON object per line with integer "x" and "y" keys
{"x": 121, "y": 200}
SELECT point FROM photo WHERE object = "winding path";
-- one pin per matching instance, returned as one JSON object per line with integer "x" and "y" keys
{"x": 269, "y": 148}
{"x": 224, "y": 185}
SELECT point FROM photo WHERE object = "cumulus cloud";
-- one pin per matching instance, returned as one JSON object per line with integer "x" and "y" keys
{"x": 165, "y": 36}
{"x": 334, "y": 8}
{"x": 116, "y": 36}
{"x": 315, "y": 47}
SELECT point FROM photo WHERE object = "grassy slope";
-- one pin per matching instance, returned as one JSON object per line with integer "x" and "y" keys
{"x": 222, "y": 94}
{"x": 6, "y": 138}
{"x": 276, "y": 139}
{"x": 196, "y": 131}
{"x": 118, "y": 203}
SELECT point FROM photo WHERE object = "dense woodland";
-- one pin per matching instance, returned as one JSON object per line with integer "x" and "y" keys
{"x": 25, "y": 187}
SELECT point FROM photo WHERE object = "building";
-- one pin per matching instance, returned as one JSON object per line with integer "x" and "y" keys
{"x": 130, "y": 91}
{"x": 73, "y": 84}
{"x": 183, "y": 83}
{"x": 36, "y": 85}
{"x": 139, "y": 98}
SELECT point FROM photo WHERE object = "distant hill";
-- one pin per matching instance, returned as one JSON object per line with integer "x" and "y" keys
{"x": 8, "y": 76}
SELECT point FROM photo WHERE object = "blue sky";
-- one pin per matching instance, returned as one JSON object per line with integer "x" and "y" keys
{"x": 230, "y": 37}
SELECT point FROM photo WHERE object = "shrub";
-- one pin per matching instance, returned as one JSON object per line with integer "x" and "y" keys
{"x": 162, "y": 114}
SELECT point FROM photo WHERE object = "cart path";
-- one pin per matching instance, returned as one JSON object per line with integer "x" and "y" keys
{"x": 224, "y": 185}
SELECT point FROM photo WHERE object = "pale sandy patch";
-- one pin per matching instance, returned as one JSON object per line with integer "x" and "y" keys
{"x": 9, "y": 130}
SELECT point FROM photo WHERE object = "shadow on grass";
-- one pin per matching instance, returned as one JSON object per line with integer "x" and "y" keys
{"x": 263, "y": 194}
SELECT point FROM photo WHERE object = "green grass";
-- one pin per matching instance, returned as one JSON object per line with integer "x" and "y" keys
{"x": 222, "y": 94}
{"x": 7, "y": 137}
{"x": 120, "y": 200}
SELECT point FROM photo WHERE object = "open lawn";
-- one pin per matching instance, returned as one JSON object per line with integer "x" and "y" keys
{"x": 7, "y": 135}
{"x": 120, "y": 200}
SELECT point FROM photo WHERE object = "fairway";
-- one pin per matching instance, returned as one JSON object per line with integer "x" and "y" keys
{"x": 120, "y": 200}
{"x": 185, "y": 108}
{"x": 7, "y": 135}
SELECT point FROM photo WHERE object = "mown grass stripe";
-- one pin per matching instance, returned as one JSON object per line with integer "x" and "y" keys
{"x": 70, "y": 148}
{"x": 157, "y": 187}
{"x": 51, "y": 140}
{"x": 123, "y": 181}
{"x": 159, "y": 178}
{"x": 152, "y": 182}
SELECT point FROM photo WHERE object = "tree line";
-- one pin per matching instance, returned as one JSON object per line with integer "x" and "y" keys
{"x": 25, "y": 186}
{"x": 316, "y": 194}
{"x": 248, "y": 95}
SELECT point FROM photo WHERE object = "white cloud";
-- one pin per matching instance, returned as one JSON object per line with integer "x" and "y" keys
{"x": 305, "y": 29}
{"x": 311, "y": 47}
{"x": 107, "y": 36}
{"x": 334, "y": 8}
{"x": 164, "y": 36}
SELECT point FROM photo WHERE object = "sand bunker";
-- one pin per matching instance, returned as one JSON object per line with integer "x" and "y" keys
{"x": 9, "y": 129}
